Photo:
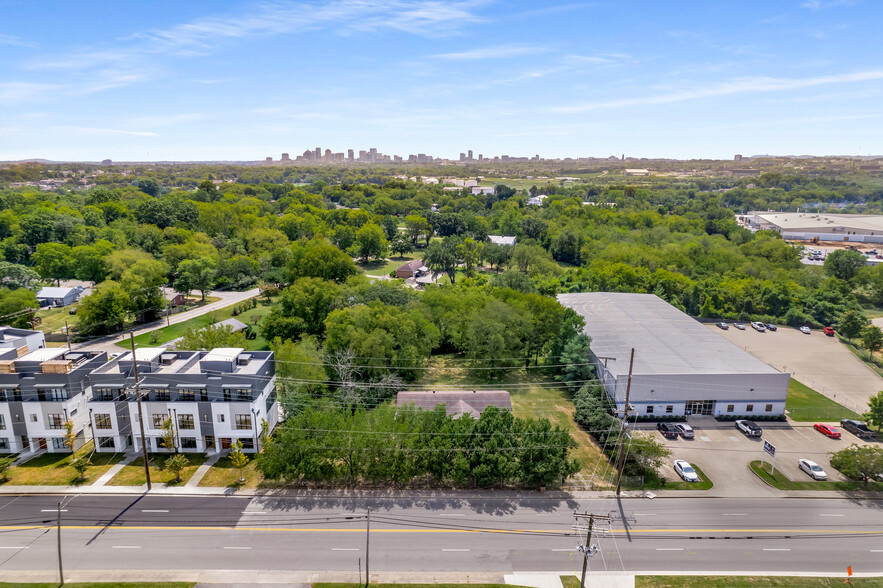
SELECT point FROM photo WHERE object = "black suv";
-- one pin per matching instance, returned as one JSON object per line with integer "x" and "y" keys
{"x": 857, "y": 428}
{"x": 668, "y": 430}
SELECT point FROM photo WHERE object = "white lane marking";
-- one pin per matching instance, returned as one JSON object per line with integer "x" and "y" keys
{"x": 872, "y": 551}
{"x": 735, "y": 514}
{"x": 344, "y": 549}
{"x": 254, "y": 512}
{"x": 126, "y": 547}
{"x": 234, "y": 547}
{"x": 453, "y": 515}
{"x": 571, "y": 549}
{"x": 25, "y": 547}
{"x": 669, "y": 549}
{"x": 455, "y": 550}
{"x": 775, "y": 549}
{"x": 154, "y": 510}
{"x": 646, "y": 514}
{"x": 832, "y": 515}
{"x": 704, "y": 438}
{"x": 53, "y": 510}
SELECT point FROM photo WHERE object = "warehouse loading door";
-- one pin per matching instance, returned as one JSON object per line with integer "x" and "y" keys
{"x": 705, "y": 407}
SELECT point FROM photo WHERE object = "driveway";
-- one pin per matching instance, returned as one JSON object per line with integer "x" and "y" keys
{"x": 820, "y": 362}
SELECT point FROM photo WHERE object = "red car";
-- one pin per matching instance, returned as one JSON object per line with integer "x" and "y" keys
{"x": 827, "y": 430}
{"x": 829, "y": 331}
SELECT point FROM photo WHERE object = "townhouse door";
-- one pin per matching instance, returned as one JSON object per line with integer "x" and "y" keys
{"x": 42, "y": 442}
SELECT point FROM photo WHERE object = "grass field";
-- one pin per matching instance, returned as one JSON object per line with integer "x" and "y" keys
{"x": 52, "y": 320}
{"x": 533, "y": 396}
{"x": 874, "y": 362}
{"x": 782, "y": 482}
{"x": 805, "y": 404}
{"x": 384, "y": 267}
{"x": 133, "y": 473}
{"x": 54, "y": 469}
{"x": 166, "y": 334}
{"x": 747, "y": 582}
{"x": 224, "y": 475}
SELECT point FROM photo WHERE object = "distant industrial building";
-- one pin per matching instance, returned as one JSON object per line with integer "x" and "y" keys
{"x": 501, "y": 240}
{"x": 827, "y": 227}
{"x": 680, "y": 366}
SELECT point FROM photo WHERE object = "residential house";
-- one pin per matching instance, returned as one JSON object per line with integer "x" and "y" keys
{"x": 500, "y": 240}
{"x": 22, "y": 341}
{"x": 412, "y": 269}
{"x": 51, "y": 296}
{"x": 456, "y": 402}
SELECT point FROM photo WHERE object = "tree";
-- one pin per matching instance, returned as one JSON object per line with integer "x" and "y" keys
{"x": 417, "y": 227}
{"x": 81, "y": 465}
{"x": 859, "y": 462}
{"x": 104, "y": 311}
{"x": 142, "y": 281}
{"x": 872, "y": 339}
{"x": 646, "y": 452}
{"x": 53, "y": 261}
{"x": 371, "y": 241}
{"x": 169, "y": 439}
{"x": 319, "y": 259}
{"x": 401, "y": 244}
{"x": 149, "y": 186}
{"x": 301, "y": 309}
{"x": 469, "y": 251}
{"x": 210, "y": 337}
{"x": 844, "y": 263}
{"x": 88, "y": 263}
{"x": 238, "y": 459}
{"x": 196, "y": 274}
{"x": 14, "y": 305}
{"x": 176, "y": 464}
{"x": 441, "y": 256}
{"x": 70, "y": 436}
{"x": 875, "y": 410}
{"x": 852, "y": 323}
{"x": 575, "y": 360}
{"x": 13, "y": 275}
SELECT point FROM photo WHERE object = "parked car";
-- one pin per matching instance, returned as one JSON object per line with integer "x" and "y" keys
{"x": 750, "y": 428}
{"x": 771, "y": 327}
{"x": 759, "y": 327}
{"x": 827, "y": 430}
{"x": 685, "y": 430}
{"x": 722, "y": 325}
{"x": 668, "y": 430}
{"x": 686, "y": 471}
{"x": 739, "y": 326}
{"x": 829, "y": 331}
{"x": 857, "y": 428}
{"x": 805, "y": 330}
{"x": 812, "y": 468}
{"x": 878, "y": 256}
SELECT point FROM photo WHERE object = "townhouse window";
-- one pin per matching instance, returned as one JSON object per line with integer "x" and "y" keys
{"x": 52, "y": 394}
{"x": 185, "y": 421}
{"x": 237, "y": 394}
{"x": 56, "y": 421}
{"x": 203, "y": 395}
{"x": 649, "y": 410}
{"x": 2, "y": 422}
{"x": 102, "y": 421}
{"x": 271, "y": 400}
{"x": 247, "y": 442}
{"x": 188, "y": 442}
{"x": 220, "y": 418}
{"x": 243, "y": 422}
{"x": 162, "y": 395}
{"x": 769, "y": 408}
{"x": 58, "y": 443}
{"x": 104, "y": 394}
{"x": 106, "y": 443}
{"x": 669, "y": 409}
{"x": 186, "y": 394}
{"x": 3, "y": 395}
{"x": 10, "y": 394}
{"x": 4, "y": 444}
{"x": 34, "y": 418}
{"x": 158, "y": 420}
{"x": 731, "y": 407}
{"x": 749, "y": 408}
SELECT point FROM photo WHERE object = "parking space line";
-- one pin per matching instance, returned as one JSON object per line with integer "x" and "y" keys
{"x": 775, "y": 549}
{"x": 669, "y": 549}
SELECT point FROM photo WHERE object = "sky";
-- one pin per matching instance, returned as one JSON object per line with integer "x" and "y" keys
{"x": 221, "y": 80}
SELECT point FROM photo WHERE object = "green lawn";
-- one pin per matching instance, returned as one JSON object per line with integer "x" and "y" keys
{"x": 409, "y": 585}
{"x": 385, "y": 266}
{"x": 805, "y": 404}
{"x": 133, "y": 473}
{"x": 745, "y": 582}
{"x": 52, "y": 320}
{"x": 166, "y": 334}
{"x": 54, "y": 469}
{"x": 782, "y": 482}
{"x": 224, "y": 475}
{"x": 704, "y": 482}
{"x": 873, "y": 362}
{"x": 98, "y": 584}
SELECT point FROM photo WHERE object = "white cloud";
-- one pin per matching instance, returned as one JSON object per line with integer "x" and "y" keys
{"x": 12, "y": 41}
{"x": 495, "y": 52}
{"x": 738, "y": 86}
{"x": 816, "y": 5}
{"x": 26, "y": 91}
{"x": 97, "y": 131}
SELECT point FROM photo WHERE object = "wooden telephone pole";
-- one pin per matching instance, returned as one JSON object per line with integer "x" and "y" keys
{"x": 620, "y": 458}
{"x": 588, "y": 550}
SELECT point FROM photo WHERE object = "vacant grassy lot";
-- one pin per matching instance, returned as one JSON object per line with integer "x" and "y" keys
{"x": 166, "y": 334}
{"x": 746, "y": 582}
{"x": 224, "y": 475}
{"x": 534, "y": 395}
{"x": 52, "y": 320}
{"x": 805, "y": 404}
{"x": 782, "y": 482}
{"x": 133, "y": 473}
{"x": 55, "y": 468}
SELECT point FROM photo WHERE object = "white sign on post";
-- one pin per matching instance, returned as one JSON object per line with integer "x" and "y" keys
{"x": 771, "y": 450}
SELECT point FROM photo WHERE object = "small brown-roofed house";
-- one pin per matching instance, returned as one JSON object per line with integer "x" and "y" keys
{"x": 412, "y": 269}
{"x": 457, "y": 402}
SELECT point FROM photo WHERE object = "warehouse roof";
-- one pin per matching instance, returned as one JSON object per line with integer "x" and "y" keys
{"x": 821, "y": 222}
{"x": 666, "y": 341}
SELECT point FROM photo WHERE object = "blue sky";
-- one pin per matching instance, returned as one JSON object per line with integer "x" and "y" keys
{"x": 199, "y": 80}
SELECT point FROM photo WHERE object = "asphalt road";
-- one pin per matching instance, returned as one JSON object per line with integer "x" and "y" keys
{"x": 447, "y": 534}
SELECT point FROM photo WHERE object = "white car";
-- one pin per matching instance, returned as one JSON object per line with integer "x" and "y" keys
{"x": 686, "y": 471}
{"x": 812, "y": 468}
{"x": 739, "y": 326}
{"x": 759, "y": 327}
{"x": 805, "y": 330}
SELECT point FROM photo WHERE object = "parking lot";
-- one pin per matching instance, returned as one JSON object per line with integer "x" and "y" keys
{"x": 723, "y": 453}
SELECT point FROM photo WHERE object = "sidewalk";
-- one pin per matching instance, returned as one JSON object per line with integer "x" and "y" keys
{"x": 114, "y": 470}
{"x": 202, "y": 470}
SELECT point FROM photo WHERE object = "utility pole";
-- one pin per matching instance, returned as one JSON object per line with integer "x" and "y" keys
{"x": 61, "y": 504}
{"x": 587, "y": 550}
{"x": 620, "y": 463}
{"x": 367, "y": 547}
{"x": 67, "y": 331}
{"x": 140, "y": 413}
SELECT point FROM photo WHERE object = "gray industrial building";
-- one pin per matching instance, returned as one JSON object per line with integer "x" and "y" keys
{"x": 680, "y": 366}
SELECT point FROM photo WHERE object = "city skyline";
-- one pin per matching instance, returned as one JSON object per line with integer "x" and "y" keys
{"x": 232, "y": 81}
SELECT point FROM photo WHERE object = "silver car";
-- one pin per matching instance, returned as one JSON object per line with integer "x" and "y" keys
{"x": 685, "y": 430}
{"x": 812, "y": 468}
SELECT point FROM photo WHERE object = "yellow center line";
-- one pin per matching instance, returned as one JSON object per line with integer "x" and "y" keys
{"x": 525, "y": 531}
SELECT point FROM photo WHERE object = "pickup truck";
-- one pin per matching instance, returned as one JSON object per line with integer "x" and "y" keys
{"x": 857, "y": 428}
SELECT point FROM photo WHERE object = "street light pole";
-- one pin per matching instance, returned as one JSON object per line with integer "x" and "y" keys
{"x": 61, "y": 503}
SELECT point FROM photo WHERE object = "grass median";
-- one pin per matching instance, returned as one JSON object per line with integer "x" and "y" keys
{"x": 54, "y": 469}
{"x": 704, "y": 482}
{"x": 133, "y": 473}
{"x": 806, "y": 405}
{"x": 781, "y": 482}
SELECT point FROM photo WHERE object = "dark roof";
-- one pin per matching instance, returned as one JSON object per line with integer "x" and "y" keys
{"x": 457, "y": 402}
{"x": 413, "y": 265}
